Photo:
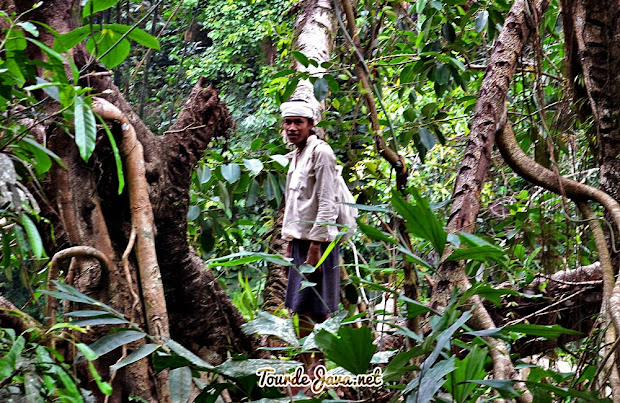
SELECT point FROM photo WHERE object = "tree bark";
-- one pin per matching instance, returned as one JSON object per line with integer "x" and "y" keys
{"x": 86, "y": 210}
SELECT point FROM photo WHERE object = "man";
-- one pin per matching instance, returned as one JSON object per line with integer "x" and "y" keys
{"x": 309, "y": 219}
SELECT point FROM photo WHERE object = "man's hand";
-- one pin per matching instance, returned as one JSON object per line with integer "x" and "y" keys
{"x": 289, "y": 250}
{"x": 314, "y": 253}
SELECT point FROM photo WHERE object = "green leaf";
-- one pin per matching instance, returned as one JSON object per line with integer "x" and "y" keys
{"x": 36, "y": 244}
{"x": 427, "y": 139}
{"x": 188, "y": 355}
{"x": 8, "y": 363}
{"x": 204, "y": 174}
{"x": 85, "y": 314}
{"x": 277, "y": 192}
{"x": 270, "y": 325}
{"x": 87, "y": 351}
{"x": 104, "y": 387}
{"x": 253, "y": 165}
{"x": 29, "y": 27}
{"x": 306, "y": 284}
{"x": 504, "y": 387}
{"x": 551, "y": 332}
{"x": 429, "y": 382}
{"x": 280, "y": 159}
{"x": 448, "y": 32}
{"x": 242, "y": 368}
{"x": 15, "y": 40}
{"x": 290, "y": 88}
{"x": 47, "y": 151}
{"x": 374, "y": 234}
{"x": 321, "y": 89}
{"x": 107, "y": 320}
{"x": 478, "y": 253}
{"x": 94, "y": 6}
{"x": 180, "y": 384}
{"x": 85, "y": 128}
{"x": 67, "y": 41}
{"x": 231, "y": 172}
{"x": 112, "y": 341}
{"x": 136, "y": 34}
{"x": 420, "y": 219}
{"x": 352, "y": 349}
{"x": 481, "y": 20}
{"x": 442, "y": 74}
{"x": 301, "y": 58}
{"x": 102, "y": 41}
{"x": 136, "y": 355}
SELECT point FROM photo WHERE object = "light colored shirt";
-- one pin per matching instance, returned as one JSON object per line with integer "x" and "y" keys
{"x": 311, "y": 193}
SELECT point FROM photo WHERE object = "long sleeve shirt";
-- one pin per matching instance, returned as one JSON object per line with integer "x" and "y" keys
{"x": 311, "y": 194}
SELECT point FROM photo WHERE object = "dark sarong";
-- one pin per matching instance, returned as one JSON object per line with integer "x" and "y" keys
{"x": 327, "y": 282}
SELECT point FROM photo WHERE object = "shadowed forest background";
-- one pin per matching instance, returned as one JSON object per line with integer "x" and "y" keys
{"x": 142, "y": 180}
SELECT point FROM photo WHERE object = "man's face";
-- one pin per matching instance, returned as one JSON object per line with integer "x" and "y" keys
{"x": 297, "y": 129}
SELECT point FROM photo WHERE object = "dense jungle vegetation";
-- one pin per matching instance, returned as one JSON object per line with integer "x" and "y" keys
{"x": 142, "y": 179}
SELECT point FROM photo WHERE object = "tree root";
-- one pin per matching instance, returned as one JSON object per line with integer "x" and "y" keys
{"x": 69, "y": 253}
{"x": 526, "y": 167}
{"x": 143, "y": 224}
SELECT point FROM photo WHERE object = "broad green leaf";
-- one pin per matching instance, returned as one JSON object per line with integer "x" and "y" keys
{"x": 240, "y": 258}
{"x": 105, "y": 40}
{"x": 448, "y": 32}
{"x": 277, "y": 192}
{"x": 301, "y": 58}
{"x": 478, "y": 253}
{"x": 113, "y": 341}
{"x": 442, "y": 74}
{"x": 15, "y": 40}
{"x": 321, "y": 89}
{"x": 426, "y": 138}
{"x": 253, "y": 192}
{"x": 374, "y": 234}
{"x": 471, "y": 367}
{"x": 8, "y": 363}
{"x": 85, "y": 314}
{"x": 280, "y": 159}
{"x": 504, "y": 387}
{"x": 85, "y": 128}
{"x": 36, "y": 244}
{"x": 29, "y": 27}
{"x": 94, "y": 6}
{"x": 352, "y": 349}
{"x": 46, "y": 150}
{"x": 67, "y": 41}
{"x": 306, "y": 284}
{"x": 429, "y": 382}
{"x": 107, "y": 320}
{"x": 243, "y": 368}
{"x": 188, "y": 355}
{"x": 136, "y": 34}
{"x": 136, "y": 355}
{"x": 481, "y": 20}
{"x": 414, "y": 308}
{"x": 253, "y": 165}
{"x": 49, "y": 51}
{"x": 547, "y": 331}
{"x": 231, "y": 172}
{"x": 420, "y": 219}
{"x": 204, "y": 174}
{"x": 180, "y": 384}
{"x": 290, "y": 88}
{"x": 270, "y": 325}
{"x": 41, "y": 161}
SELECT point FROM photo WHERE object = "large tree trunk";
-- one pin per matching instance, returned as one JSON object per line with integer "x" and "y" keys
{"x": 313, "y": 33}
{"x": 85, "y": 209}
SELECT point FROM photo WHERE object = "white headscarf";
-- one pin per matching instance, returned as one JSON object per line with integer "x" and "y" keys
{"x": 297, "y": 108}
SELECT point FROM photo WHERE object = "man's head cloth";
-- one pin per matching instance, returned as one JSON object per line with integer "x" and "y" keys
{"x": 297, "y": 108}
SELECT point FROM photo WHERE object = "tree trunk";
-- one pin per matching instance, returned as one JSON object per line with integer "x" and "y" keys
{"x": 85, "y": 209}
